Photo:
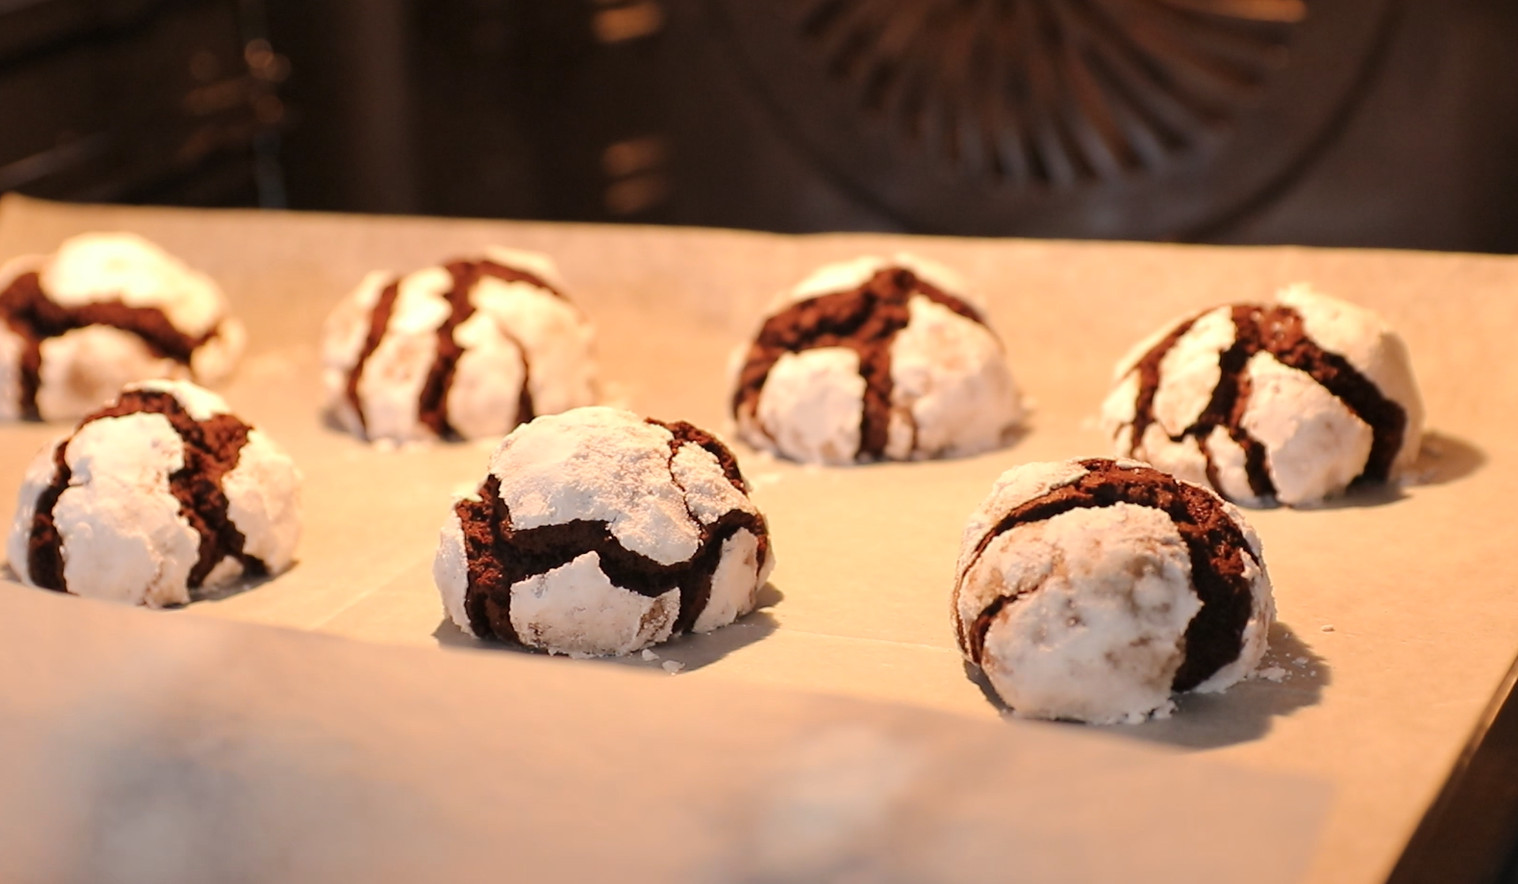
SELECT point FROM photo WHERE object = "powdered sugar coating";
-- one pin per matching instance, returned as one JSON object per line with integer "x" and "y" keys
{"x": 1192, "y": 372}
{"x": 1098, "y": 636}
{"x": 123, "y": 537}
{"x": 556, "y": 336}
{"x": 450, "y": 568}
{"x": 707, "y": 496}
{"x": 263, "y": 501}
{"x": 1316, "y": 395}
{"x": 875, "y": 358}
{"x": 122, "y": 532}
{"x": 842, "y": 275}
{"x": 138, "y": 273}
{"x": 952, "y": 392}
{"x": 560, "y": 470}
{"x": 1363, "y": 338}
{"x": 1081, "y": 608}
{"x": 734, "y": 583}
{"x": 11, "y": 348}
{"x": 84, "y": 367}
{"x": 390, "y": 388}
{"x": 675, "y": 520}
{"x": 39, "y": 474}
{"x": 198, "y": 402}
{"x": 1012, "y": 489}
{"x": 468, "y": 350}
{"x": 487, "y": 387}
{"x": 90, "y": 360}
{"x": 575, "y": 609}
{"x": 343, "y": 335}
{"x": 810, "y": 407}
{"x": 1316, "y": 445}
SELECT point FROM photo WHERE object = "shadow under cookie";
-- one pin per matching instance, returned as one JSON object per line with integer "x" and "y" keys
{"x": 1290, "y": 677}
{"x": 234, "y": 588}
{"x": 1443, "y": 458}
{"x": 683, "y": 653}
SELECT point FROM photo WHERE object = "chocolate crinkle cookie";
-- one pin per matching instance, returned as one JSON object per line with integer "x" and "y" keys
{"x": 465, "y": 350}
{"x": 1290, "y": 403}
{"x": 103, "y": 311}
{"x": 159, "y": 495}
{"x": 876, "y": 359}
{"x": 1092, "y": 590}
{"x": 598, "y": 532}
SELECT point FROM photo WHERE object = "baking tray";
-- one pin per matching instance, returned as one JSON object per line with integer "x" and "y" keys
{"x": 1398, "y": 617}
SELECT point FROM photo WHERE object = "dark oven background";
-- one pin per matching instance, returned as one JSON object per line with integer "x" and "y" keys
{"x": 1334, "y": 122}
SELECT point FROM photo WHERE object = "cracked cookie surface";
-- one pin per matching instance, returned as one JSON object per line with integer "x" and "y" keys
{"x": 465, "y": 350}
{"x": 103, "y": 311}
{"x": 154, "y": 497}
{"x": 1094, "y": 589}
{"x": 875, "y": 359}
{"x": 1290, "y": 402}
{"x": 599, "y": 532}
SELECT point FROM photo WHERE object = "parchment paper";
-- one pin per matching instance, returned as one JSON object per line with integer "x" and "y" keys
{"x": 1398, "y": 614}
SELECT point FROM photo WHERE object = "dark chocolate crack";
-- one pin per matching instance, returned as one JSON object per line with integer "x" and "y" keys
{"x": 34, "y": 317}
{"x": 690, "y": 434}
{"x": 500, "y": 555}
{"x": 1215, "y": 543}
{"x": 1283, "y": 334}
{"x": 1279, "y": 331}
{"x": 379, "y": 320}
{"x": 865, "y": 319}
{"x": 1148, "y": 369}
{"x": 44, "y": 548}
{"x": 211, "y": 450}
{"x": 432, "y": 406}
{"x": 694, "y": 601}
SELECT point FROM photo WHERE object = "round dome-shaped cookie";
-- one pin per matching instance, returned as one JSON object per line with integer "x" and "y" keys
{"x": 1092, "y": 590}
{"x": 159, "y": 494}
{"x": 876, "y": 359}
{"x": 103, "y": 311}
{"x": 1289, "y": 403}
{"x": 598, "y": 532}
{"x": 465, "y": 350}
